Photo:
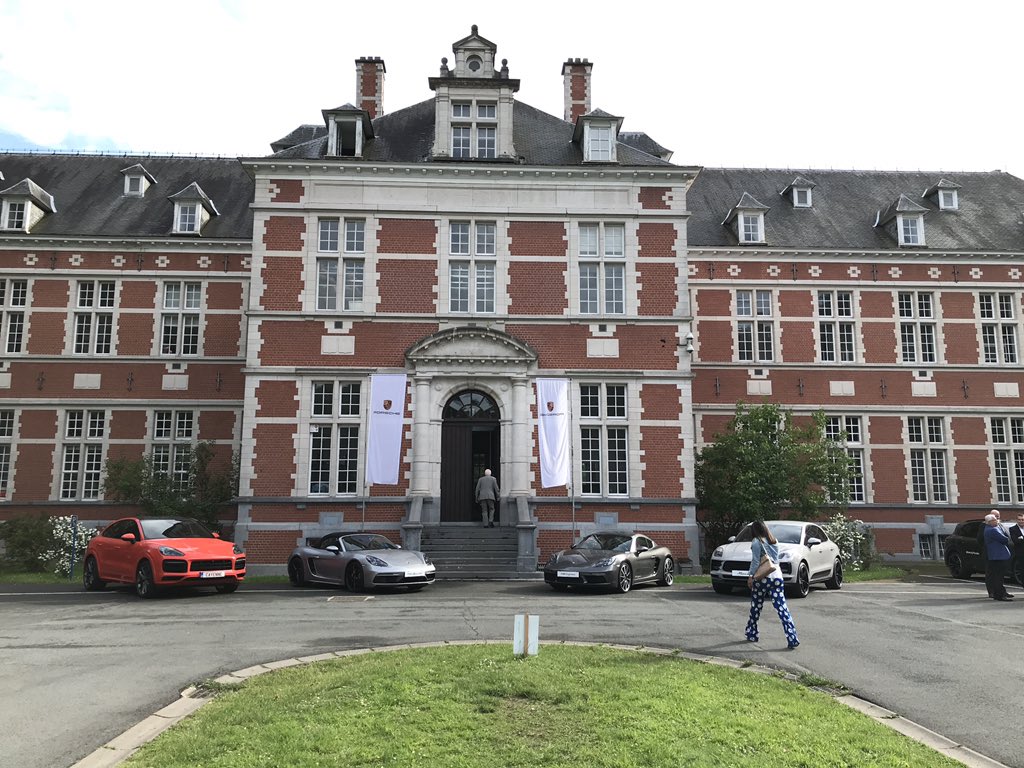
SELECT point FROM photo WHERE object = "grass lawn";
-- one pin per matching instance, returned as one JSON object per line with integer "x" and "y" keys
{"x": 570, "y": 707}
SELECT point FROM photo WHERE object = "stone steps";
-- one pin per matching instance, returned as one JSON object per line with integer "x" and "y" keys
{"x": 473, "y": 552}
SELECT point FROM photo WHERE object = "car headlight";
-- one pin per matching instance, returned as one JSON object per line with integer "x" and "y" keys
{"x": 787, "y": 556}
{"x": 171, "y": 552}
{"x": 237, "y": 550}
{"x": 604, "y": 563}
{"x": 718, "y": 552}
{"x": 376, "y": 561}
{"x": 426, "y": 560}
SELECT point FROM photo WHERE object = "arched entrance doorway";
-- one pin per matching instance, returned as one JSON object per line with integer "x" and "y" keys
{"x": 470, "y": 443}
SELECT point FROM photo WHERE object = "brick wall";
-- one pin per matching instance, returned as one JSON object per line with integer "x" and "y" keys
{"x": 663, "y": 477}
{"x": 961, "y": 344}
{"x": 51, "y": 293}
{"x": 407, "y": 285}
{"x": 284, "y": 233}
{"x": 654, "y": 198}
{"x": 889, "y": 471}
{"x": 288, "y": 190}
{"x": 268, "y": 547}
{"x": 407, "y": 236}
{"x": 796, "y": 342}
{"x": 217, "y": 425}
{"x": 274, "y": 460}
{"x": 537, "y": 288}
{"x": 561, "y": 346}
{"x": 657, "y": 295}
{"x": 135, "y": 333}
{"x": 537, "y": 238}
{"x": 128, "y": 425}
{"x": 33, "y": 472}
{"x": 138, "y": 294}
{"x": 975, "y": 482}
{"x": 283, "y": 283}
{"x": 277, "y": 399}
{"x": 377, "y": 344}
{"x": 660, "y": 401}
{"x": 46, "y": 333}
{"x": 222, "y": 336}
{"x": 657, "y": 239}
{"x": 222, "y": 295}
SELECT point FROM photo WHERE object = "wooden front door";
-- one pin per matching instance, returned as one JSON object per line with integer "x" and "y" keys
{"x": 470, "y": 443}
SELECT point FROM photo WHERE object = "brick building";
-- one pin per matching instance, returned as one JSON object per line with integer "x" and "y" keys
{"x": 475, "y": 244}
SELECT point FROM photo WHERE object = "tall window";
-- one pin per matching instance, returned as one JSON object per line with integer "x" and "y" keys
{"x": 13, "y": 300}
{"x": 835, "y": 327}
{"x": 602, "y": 256}
{"x": 917, "y": 327}
{"x": 928, "y": 474}
{"x": 188, "y": 217}
{"x": 1008, "y": 459}
{"x": 474, "y": 130}
{"x": 334, "y": 438}
{"x": 604, "y": 448}
{"x": 750, "y": 228}
{"x": 82, "y": 460}
{"x": 998, "y": 327}
{"x": 600, "y": 143}
{"x": 179, "y": 321}
{"x": 755, "y": 328}
{"x": 471, "y": 270}
{"x": 6, "y": 439}
{"x": 846, "y": 430}
{"x": 911, "y": 230}
{"x": 94, "y": 320}
{"x": 14, "y": 215}
{"x": 341, "y": 279}
{"x": 173, "y": 435}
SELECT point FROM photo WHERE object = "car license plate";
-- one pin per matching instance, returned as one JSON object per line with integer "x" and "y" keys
{"x": 415, "y": 573}
{"x": 741, "y": 573}
{"x": 211, "y": 574}
{"x": 568, "y": 575}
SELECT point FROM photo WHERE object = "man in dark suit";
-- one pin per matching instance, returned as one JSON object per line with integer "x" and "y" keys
{"x": 1016, "y": 532}
{"x": 997, "y": 544}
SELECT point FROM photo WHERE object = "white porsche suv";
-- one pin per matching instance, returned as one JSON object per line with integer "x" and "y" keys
{"x": 806, "y": 556}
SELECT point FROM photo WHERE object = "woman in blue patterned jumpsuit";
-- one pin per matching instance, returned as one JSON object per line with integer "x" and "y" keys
{"x": 771, "y": 586}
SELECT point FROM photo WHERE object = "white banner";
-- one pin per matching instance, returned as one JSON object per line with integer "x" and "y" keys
{"x": 553, "y": 431}
{"x": 387, "y": 411}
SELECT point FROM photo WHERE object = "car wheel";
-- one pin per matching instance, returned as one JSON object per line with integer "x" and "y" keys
{"x": 624, "y": 578}
{"x": 836, "y": 582}
{"x": 296, "y": 575}
{"x": 668, "y": 573}
{"x": 956, "y": 566}
{"x": 721, "y": 587}
{"x": 560, "y": 587}
{"x": 354, "y": 578}
{"x": 144, "y": 586}
{"x": 226, "y": 589}
{"x": 91, "y": 576}
{"x": 803, "y": 581}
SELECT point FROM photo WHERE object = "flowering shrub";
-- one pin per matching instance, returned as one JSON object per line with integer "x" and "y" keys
{"x": 854, "y": 540}
{"x": 63, "y": 538}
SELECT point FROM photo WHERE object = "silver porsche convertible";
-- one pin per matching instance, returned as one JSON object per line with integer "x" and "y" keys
{"x": 610, "y": 559}
{"x": 359, "y": 561}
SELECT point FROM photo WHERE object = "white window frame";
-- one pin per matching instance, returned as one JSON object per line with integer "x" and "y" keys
{"x": 603, "y": 435}
{"x": 1006, "y": 435}
{"x": 928, "y": 468}
{"x": 750, "y": 227}
{"x": 910, "y": 229}
{"x": 13, "y": 315}
{"x": 181, "y": 314}
{"x": 95, "y": 318}
{"x": 137, "y": 179}
{"x": 918, "y": 327}
{"x": 806, "y": 201}
{"x": 188, "y": 218}
{"x": 478, "y": 134}
{"x": 599, "y": 143}
{"x": 8, "y": 433}
{"x": 603, "y": 264}
{"x": 335, "y": 429}
{"x": 173, "y": 445}
{"x": 754, "y": 312}
{"x": 999, "y": 328}
{"x": 472, "y": 267}
{"x": 848, "y": 430}
{"x": 83, "y": 446}
{"x": 340, "y": 279}
{"x": 836, "y": 326}
{"x": 15, "y": 209}
{"x": 948, "y": 200}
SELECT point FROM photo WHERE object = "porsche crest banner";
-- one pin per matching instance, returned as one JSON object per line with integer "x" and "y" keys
{"x": 553, "y": 431}
{"x": 387, "y": 411}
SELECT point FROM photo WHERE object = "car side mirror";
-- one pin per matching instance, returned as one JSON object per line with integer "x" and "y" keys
{"x": 215, "y": 534}
{"x": 641, "y": 549}
{"x": 732, "y": 539}
{"x": 129, "y": 537}
{"x": 333, "y": 549}
{"x": 813, "y": 541}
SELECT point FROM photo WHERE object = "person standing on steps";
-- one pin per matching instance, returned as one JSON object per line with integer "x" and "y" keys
{"x": 771, "y": 586}
{"x": 487, "y": 496}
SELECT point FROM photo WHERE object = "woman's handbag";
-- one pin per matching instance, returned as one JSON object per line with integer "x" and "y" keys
{"x": 764, "y": 568}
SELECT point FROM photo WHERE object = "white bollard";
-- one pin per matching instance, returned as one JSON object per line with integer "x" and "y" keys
{"x": 526, "y": 635}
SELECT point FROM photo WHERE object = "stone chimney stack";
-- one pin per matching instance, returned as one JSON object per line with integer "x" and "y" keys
{"x": 370, "y": 85}
{"x": 576, "y": 74}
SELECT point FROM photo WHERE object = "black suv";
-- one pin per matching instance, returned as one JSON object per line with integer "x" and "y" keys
{"x": 963, "y": 553}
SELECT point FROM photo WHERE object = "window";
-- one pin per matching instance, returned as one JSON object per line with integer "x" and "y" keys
{"x": 351, "y": 269}
{"x": 604, "y": 450}
{"x": 917, "y": 333}
{"x": 602, "y": 255}
{"x": 13, "y": 299}
{"x": 173, "y": 434}
{"x": 1008, "y": 459}
{"x": 755, "y": 328}
{"x": 474, "y": 137}
{"x": 133, "y": 186}
{"x": 334, "y": 438}
{"x": 836, "y": 331}
{"x": 924, "y": 546}
{"x": 599, "y": 144}
{"x": 188, "y": 217}
{"x": 847, "y": 431}
{"x": 179, "y": 322}
{"x": 801, "y": 197}
{"x": 928, "y": 476}
{"x": 911, "y": 230}
{"x": 94, "y": 322}
{"x": 6, "y": 440}
{"x": 998, "y": 327}
{"x": 472, "y": 270}
{"x": 82, "y": 458}
{"x": 15, "y": 215}
{"x": 948, "y": 200}
{"x": 750, "y": 228}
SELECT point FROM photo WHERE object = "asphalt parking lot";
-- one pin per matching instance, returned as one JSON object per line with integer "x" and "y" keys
{"x": 79, "y": 668}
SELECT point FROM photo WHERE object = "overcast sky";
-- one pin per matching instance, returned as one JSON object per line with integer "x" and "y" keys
{"x": 867, "y": 84}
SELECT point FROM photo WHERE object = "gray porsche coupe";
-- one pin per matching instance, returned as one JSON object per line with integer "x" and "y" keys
{"x": 610, "y": 559}
{"x": 359, "y": 561}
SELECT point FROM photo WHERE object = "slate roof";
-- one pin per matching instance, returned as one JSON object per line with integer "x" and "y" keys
{"x": 643, "y": 142}
{"x": 407, "y": 136}
{"x": 88, "y": 191}
{"x": 990, "y": 216}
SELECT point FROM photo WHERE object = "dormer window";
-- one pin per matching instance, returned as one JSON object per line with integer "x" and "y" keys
{"x": 801, "y": 198}
{"x": 597, "y": 133}
{"x": 23, "y": 206}
{"x": 751, "y": 229}
{"x": 133, "y": 185}
{"x": 14, "y": 215}
{"x": 348, "y": 131}
{"x": 474, "y": 63}
{"x": 136, "y": 180}
{"x": 599, "y": 143}
{"x": 746, "y": 218}
{"x": 945, "y": 193}
{"x": 474, "y": 137}
{"x": 799, "y": 191}
{"x": 188, "y": 218}
{"x": 948, "y": 200}
{"x": 911, "y": 229}
{"x": 903, "y": 219}
{"x": 192, "y": 210}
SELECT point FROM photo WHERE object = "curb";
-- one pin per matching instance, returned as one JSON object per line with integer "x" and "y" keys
{"x": 192, "y": 699}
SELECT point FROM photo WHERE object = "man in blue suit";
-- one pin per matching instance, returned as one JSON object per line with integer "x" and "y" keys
{"x": 997, "y": 548}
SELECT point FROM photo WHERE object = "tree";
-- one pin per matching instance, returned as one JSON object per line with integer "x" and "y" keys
{"x": 208, "y": 486}
{"x": 768, "y": 465}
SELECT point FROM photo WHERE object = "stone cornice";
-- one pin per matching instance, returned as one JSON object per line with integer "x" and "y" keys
{"x": 472, "y": 345}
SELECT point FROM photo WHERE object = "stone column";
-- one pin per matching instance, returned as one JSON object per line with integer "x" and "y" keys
{"x": 520, "y": 485}
{"x": 420, "y": 485}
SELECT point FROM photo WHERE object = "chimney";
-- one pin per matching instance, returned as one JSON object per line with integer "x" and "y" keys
{"x": 370, "y": 85}
{"x": 576, "y": 74}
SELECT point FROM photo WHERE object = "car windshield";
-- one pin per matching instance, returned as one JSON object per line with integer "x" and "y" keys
{"x": 784, "y": 533}
{"x": 175, "y": 528}
{"x": 357, "y": 543}
{"x": 616, "y": 542}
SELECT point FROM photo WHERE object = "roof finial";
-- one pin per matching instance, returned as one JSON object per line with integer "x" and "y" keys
{"x": 474, "y": 29}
